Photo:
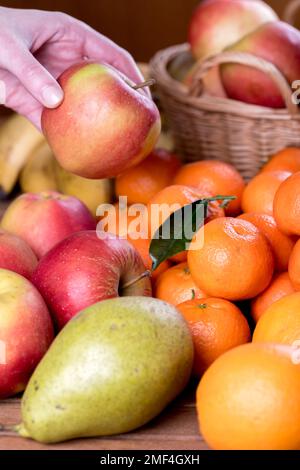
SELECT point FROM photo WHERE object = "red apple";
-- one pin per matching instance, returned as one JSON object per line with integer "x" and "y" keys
{"x": 216, "y": 24}
{"x": 26, "y": 331}
{"x": 84, "y": 269}
{"x": 16, "y": 255}
{"x": 44, "y": 219}
{"x": 212, "y": 83}
{"x": 277, "y": 43}
{"x": 103, "y": 125}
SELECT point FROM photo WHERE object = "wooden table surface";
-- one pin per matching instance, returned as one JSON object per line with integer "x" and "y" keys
{"x": 175, "y": 429}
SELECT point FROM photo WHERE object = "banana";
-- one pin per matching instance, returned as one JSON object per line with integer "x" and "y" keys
{"x": 18, "y": 139}
{"x": 166, "y": 141}
{"x": 39, "y": 172}
{"x": 91, "y": 192}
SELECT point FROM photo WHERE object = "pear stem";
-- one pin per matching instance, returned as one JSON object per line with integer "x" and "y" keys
{"x": 144, "y": 84}
{"x": 137, "y": 279}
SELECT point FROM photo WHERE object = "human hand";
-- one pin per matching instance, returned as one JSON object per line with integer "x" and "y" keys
{"x": 37, "y": 46}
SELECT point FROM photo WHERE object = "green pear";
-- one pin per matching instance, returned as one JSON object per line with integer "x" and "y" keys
{"x": 114, "y": 367}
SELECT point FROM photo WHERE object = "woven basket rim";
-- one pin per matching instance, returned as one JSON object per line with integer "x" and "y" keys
{"x": 179, "y": 91}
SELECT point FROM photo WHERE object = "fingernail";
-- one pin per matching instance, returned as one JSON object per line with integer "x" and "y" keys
{"x": 2, "y": 92}
{"x": 52, "y": 96}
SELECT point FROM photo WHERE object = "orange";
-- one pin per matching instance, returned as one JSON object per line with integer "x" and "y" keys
{"x": 235, "y": 261}
{"x": 142, "y": 245}
{"x": 260, "y": 192}
{"x": 286, "y": 160}
{"x": 143, "y": 181}
{"x": 177, "y": 286}
{"x": 287, "y": 205}
{"x": 172, "y": 198}
{"x": 216, "y": 326}
{"x": 279, "y": 287}
{"x": 282, "y": 245}
{"x": 215, "y": 177}
{"x": 126, "y": 219}
{"x": 249, "y": 399}
{"x": 294, "y": 266}
{"x": 281, "y": 322}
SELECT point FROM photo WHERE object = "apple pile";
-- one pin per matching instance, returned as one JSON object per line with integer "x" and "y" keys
{"x": 243, "y": 26}
{"x": 49, "y": 246}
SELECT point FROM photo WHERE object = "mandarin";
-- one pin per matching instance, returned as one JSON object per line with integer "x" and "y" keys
{"x": 249, "y": 399}
{"x": 280, "y": 286}
{"x": 177, "y": 286}
{"x": 294, "y": 266}
{"x": 286, "y": 160}
{"x": 281, "y": 322}
{"x": 216, "y": 325}
{"x": 260, "y": 192}
{"x": 282, "y": 245}
{"x": 214, "y": 177}
{"x": 287, "y": 205}
{"x": 142, "y": 245}
{"x": 140, "y": 183}
{"x": 234, "y": 260}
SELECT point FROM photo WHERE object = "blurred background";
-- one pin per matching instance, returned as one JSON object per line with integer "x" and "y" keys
{"x": 141, "y": 26}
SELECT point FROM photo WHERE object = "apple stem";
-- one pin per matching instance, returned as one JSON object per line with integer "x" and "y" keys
{"x": 144, "y": 84}
{"x": 137, "y": 279}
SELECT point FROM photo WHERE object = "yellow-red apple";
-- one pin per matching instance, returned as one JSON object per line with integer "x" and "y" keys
{"x": 26, "y": 331}
{"x": 278, "y": 43}
{"x": 16, "y": 255}
{"x": 103, "y": 125}
{"x": 216, "y": 24}
{"x": 44, "y": 219}
{"x": 84, "y": 269}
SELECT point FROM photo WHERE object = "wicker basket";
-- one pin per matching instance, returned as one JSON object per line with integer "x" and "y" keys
{"x": 207, "y": 127}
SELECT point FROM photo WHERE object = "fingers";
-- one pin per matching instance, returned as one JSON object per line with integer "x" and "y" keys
{"x": 100, "y": 48}
{"x": 33, "y": 76}
{"x": 16, "y": 97}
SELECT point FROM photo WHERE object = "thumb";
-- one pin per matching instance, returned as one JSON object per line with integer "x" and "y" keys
{"x": 35, "y": 78}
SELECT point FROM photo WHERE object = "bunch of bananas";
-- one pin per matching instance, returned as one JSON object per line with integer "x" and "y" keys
{"x": 26, "y": 157}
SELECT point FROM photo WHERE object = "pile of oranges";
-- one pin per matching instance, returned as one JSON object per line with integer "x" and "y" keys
{"x": 239, "y": 292}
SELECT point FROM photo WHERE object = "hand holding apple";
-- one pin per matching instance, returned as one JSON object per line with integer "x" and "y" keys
{"x": 104, "y": 125}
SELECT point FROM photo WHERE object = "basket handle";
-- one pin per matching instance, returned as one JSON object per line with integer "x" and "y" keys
{"x": 251, "y": 60}
{"x": 290, "y": 11}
